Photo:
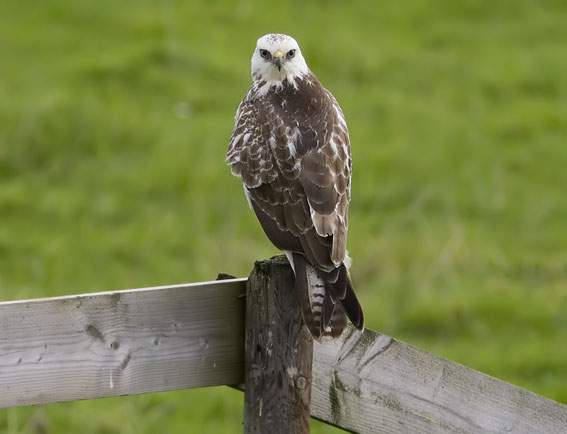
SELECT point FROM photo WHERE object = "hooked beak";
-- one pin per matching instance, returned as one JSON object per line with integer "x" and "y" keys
{"x": 278, "y": 59}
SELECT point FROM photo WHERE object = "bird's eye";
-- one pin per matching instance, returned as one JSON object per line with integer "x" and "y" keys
{"x": 265, "y": 54}
{"x": 290, "y": 54}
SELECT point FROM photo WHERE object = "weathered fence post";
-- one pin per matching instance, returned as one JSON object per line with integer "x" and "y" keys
{"x": 172, "y": 337}
{"x": 278, "y": 353}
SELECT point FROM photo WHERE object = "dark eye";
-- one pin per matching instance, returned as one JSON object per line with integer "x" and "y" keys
{"x": 265, "y": 54}
{"x": 290, "y": 54}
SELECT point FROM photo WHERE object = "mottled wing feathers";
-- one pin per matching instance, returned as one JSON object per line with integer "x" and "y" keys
{"x": 325, "y": 177}
{"x": 319, "y": 183}
{"x": 301, "y": 135}
{"x": 248, "y": 156}
{"x": 290, "y": 146}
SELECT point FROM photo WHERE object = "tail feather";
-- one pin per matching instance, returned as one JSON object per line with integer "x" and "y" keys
{"x": 327, "y": 298}
{"x": 312, "y": 321}
{"x": 337, "y": 323}
{"x": 339, "y": 286}
{"x": 352, "y": 306}
{"x": 329, "y": 306}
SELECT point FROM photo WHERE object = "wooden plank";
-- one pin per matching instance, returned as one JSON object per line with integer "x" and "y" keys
{"x": 165, "y": 338}
{"x": 279, "y": 352}
{"x": 370, "y": 383}
{"x": 121, "y": 343}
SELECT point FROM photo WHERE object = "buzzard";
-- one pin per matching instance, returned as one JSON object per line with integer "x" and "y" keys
{"x": 291, "y": 148}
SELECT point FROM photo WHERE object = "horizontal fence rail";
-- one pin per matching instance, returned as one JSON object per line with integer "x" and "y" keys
{"x": 121, "y": 343}
{"x": 177, "y": 337}
{"x": 371, "y": 383}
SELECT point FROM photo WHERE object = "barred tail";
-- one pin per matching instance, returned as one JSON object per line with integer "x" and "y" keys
{"x": 327, "y": 299}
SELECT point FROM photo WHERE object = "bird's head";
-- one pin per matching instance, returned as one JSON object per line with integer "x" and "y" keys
{"x": 276, "y": 58}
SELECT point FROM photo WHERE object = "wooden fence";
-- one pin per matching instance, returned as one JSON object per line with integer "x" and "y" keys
{"x": 193, "y": 335}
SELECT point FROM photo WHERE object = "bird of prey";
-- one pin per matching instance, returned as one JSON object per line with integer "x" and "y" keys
{"x": 290, "y": 146}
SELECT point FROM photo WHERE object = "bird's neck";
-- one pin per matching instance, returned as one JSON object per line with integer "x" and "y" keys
{"x": 276, "y": 83}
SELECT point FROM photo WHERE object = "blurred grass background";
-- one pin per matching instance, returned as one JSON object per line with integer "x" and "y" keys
{"x": 114, "y": 122}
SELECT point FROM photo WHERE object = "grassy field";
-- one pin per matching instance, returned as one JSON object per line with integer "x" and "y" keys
{"x": 114, "y": 122}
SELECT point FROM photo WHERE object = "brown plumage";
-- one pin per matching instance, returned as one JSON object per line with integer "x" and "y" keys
{"x": 291, "y": 148}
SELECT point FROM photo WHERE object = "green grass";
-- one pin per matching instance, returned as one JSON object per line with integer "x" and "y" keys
{"x": 114, "y": 122}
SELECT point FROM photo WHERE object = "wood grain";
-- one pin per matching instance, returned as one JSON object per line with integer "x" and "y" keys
{"x": 121, "y": 343}
{"x": 279, "y": 353}
{"x": 370, "y": 383}
{"x": 176, "y": 337}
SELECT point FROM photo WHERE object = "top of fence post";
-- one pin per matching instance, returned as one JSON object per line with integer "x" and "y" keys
{"x": 278, "y": 353}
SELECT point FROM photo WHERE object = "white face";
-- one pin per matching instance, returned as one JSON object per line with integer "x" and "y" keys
{"x": 277, "y": 57}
